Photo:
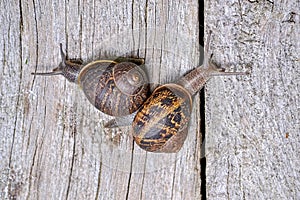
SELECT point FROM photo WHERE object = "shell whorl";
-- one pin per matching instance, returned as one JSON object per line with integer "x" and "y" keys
{"x": 103, "y": 83}
{"x": 129, "y": 78}
{"x": 162, "y": 122}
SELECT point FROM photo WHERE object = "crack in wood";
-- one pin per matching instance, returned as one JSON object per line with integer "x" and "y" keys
{"x": 74, "y": 131}
{"x": 130, "y": 172}
{"x": 202, "y": 106}
{"x": 99, "y": 181}
{"x": 143, "y": 178}
{"x": 203, "y": 158}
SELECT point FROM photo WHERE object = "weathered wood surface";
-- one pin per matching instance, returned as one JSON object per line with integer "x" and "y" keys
{"x": 53, "y": 145}
{"x": 253, "y": 122}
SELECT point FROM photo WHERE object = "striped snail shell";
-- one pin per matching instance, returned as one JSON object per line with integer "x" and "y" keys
{"x": 161, "y": 125}
{"x": 115, "y": 87}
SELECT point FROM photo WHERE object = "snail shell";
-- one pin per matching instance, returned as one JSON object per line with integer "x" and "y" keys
{"x": 115, "y": 87}
{"x": 162, "y": 123}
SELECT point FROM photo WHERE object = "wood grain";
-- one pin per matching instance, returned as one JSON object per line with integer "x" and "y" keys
{"x": 53, "y": 143}
{"x": 247, "y": 118}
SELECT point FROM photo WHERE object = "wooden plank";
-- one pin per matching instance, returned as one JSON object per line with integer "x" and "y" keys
{"x": 252, "y": 129}
{"x": 53, "y": 142}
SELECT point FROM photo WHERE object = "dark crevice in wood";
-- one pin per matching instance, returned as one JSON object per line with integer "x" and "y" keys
{"x": 66, "y": 26}
{"x": 143, "y": 178}
{"x": 74, "y": 131}
{"x": 80, "y": 35}
{"x": 146, "y": 27}
{"x": 36, "y": 139}
{"x": 132, "y": 16}
{"x": 173, "y": 181}
{"x": 99, "y": 181}
{"x": 203, "y": 178}
{"x": 201, "y": 22}
{"x": 130, "y": 172}
{"x": 31, "y": 168}
{"x": 37, "y": 34}
{"x": 93, "y": 32}
{"x": 203, "y": 158}
{"x": 202, "y": 104}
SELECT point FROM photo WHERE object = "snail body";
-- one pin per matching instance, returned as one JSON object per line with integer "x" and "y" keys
{"x": 161, "y": 124}
{"x": 115, "y": 87}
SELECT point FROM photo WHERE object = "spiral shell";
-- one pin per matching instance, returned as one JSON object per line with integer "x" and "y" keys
{"x": 161, "y": 125}
{"x": 116, "y": 89}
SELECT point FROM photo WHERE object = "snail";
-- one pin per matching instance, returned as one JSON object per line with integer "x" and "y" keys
{"x": 115, "y": 87}
{"x": 161, "y": 124}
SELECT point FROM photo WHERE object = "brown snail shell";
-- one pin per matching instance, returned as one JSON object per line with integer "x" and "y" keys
{"x": 115, "y": 87}
{"x": 165, "y": 114}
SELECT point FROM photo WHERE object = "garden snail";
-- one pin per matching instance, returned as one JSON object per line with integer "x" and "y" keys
{"x": 115, "y": 87}
{"x": 161, "y": 124}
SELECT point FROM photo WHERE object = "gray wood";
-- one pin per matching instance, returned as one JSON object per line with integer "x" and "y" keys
{"x": 252, "y": 129}
{"x": 53, "y": 145}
